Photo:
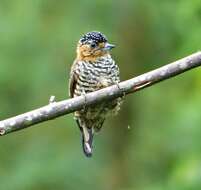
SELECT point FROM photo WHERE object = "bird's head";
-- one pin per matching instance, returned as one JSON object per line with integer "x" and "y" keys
{"x": 93, "y": 45}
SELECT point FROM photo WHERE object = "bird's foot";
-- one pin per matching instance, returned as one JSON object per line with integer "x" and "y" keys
{"x": 85, "y": 100}
{"x": 123, "y": 93}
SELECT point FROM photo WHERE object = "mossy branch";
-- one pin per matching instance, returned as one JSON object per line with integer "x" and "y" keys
{"x": 57, "y": 109}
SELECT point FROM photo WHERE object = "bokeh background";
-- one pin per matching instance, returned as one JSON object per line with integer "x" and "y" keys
{"x": 155, "y": 141}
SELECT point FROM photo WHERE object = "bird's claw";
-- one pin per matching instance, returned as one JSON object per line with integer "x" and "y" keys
{"x": 123, "y": 93}
{"x": 85, "y": 100}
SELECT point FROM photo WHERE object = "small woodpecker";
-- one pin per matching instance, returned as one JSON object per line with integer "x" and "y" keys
{"x": 92, "y": 70}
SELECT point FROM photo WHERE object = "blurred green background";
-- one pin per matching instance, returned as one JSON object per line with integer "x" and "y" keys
{"x": 162, "y": 148}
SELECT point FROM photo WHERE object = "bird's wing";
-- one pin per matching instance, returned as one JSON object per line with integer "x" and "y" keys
{"x": 72, "y": 80}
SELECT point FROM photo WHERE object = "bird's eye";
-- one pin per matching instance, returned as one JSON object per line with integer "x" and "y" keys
{"x": 93, "y": 45}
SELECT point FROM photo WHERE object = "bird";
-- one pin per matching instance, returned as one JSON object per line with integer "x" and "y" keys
{"x": 93, "y": 69}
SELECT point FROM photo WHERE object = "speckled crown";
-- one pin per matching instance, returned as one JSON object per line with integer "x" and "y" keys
{"x": 94, "y": 36}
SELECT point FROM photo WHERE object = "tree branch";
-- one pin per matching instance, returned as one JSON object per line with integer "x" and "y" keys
{"x": 57, "y": 109}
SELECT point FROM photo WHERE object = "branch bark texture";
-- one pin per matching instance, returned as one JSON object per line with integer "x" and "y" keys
{"x": 57, "y": 109}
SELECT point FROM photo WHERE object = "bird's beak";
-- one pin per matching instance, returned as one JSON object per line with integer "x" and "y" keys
{"x": 108, "y": 47}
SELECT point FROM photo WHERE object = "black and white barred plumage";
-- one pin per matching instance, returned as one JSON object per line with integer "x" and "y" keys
{"x": 93, "y": 75}
{"x": 92, "y": 70}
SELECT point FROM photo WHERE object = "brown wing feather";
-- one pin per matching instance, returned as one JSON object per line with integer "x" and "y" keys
{"x": 72, "y": 80}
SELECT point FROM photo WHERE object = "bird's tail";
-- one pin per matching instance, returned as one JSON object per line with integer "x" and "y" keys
{"x": 87, "y": 141}
{"x": 87, "y": 138}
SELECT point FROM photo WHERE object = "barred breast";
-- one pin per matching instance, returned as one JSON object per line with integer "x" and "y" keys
{"x": 95, "y": 75}
{"x": 92, "y": 76}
